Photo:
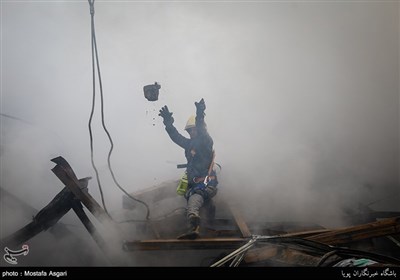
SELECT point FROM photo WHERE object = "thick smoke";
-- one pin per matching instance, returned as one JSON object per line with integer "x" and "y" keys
{"x": 302, "y": 103}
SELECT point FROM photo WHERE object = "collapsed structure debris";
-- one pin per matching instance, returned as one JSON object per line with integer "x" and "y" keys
{"x": 241, "y": 243}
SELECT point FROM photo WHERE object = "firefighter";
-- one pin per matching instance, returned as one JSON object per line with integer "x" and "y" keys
{"x": 199, "y": 153}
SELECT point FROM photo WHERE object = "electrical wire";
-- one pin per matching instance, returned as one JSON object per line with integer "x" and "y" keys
{"x": 95, "y": 58}
{"x": 92, "y": 38}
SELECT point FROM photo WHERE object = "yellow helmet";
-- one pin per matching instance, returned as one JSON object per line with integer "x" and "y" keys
{"x": 191, "y": 122}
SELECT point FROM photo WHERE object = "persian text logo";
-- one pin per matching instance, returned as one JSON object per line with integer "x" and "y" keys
{"x": 9, "y": 256}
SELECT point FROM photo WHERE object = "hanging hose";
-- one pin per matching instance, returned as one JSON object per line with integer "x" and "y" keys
{"x": 95, "y": 58}
{"x": 91, "y": 3}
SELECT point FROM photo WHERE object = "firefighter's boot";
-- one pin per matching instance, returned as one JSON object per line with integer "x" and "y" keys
{"x": 194, "y": 228}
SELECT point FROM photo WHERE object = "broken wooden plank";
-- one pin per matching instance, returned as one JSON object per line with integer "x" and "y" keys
{"x": 78, "y": 209}
{"x": 114, "y": 234}
{"x": 46, "y": 218}
{"x": 333, "y": 237}
{"x": 237, "y": 215}
{"x": 175, "y": 244}
{"x": 65, "y": 173}
{"x": 84, "y": 197}
{"x": 304, "y": 234}
{"x": 58, "y": 230}
{"x": 360, "y": 232}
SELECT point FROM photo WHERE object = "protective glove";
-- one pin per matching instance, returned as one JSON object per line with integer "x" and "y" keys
{"x": 166, "y": 115}
{"x": 200, "y": 106}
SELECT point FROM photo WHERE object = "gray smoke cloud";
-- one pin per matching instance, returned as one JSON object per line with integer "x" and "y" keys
{"x": 302, "y": 101}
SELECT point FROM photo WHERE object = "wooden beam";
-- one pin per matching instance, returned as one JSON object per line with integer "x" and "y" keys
{"x": 175, "y": 244}
{"x": 360, "y": 232}
{"x": 237, "y": 215}
{"x": 114, "y": 233}
{"x": 46, "y": 218}
{"x": 58, "y": 230}
{"x": 78, "y": 209}
{"x": 65, "y": 173}
{"x": 333, "y": 237}
{"x": 304, "y": 234}
{"x": 104, "y": 247}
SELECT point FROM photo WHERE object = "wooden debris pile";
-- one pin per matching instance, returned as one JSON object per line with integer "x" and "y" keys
{"x": 239, "y": 243}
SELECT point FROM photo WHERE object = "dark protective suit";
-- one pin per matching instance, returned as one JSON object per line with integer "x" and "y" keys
{"x": 199, "y": 155}
{"x": 198, "y": 151}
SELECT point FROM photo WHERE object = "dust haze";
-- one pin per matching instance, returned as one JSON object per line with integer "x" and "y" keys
{"x": 302, "y": 103}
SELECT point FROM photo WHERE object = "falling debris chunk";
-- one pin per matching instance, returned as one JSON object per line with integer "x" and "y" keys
{"x": 151, "y": 91}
